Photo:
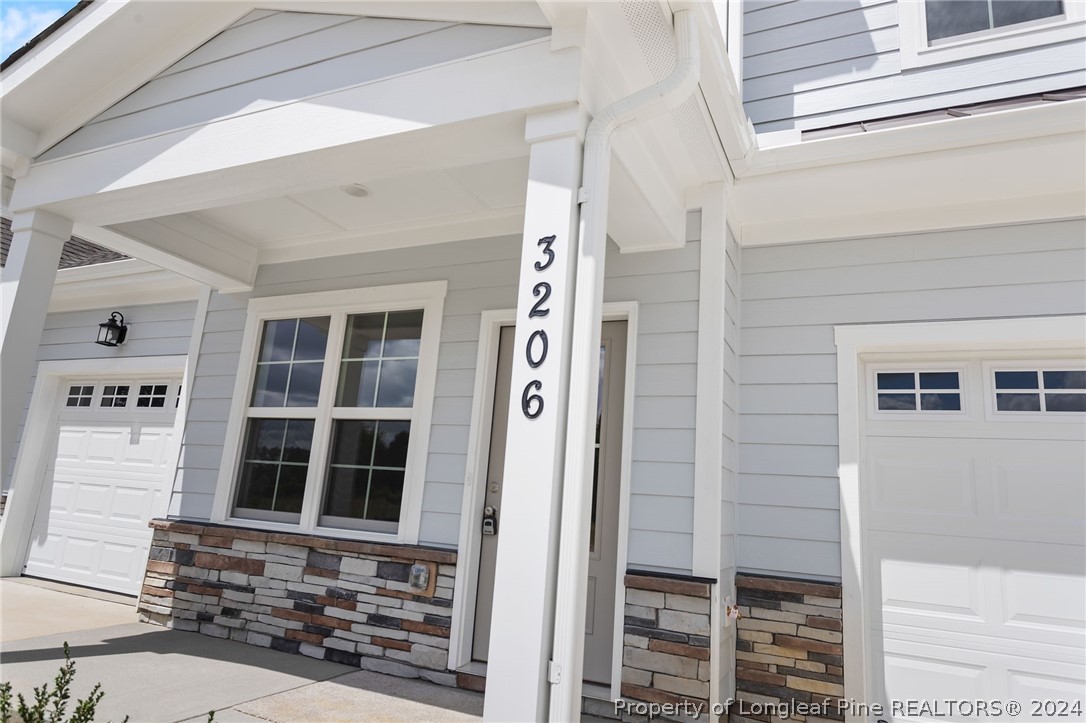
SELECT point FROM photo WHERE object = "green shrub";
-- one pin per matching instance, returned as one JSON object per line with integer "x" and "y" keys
{"x": 50, "y": 706}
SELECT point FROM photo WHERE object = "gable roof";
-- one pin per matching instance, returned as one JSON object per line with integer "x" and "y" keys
{"x": 53, "y": 27}
{"x": 76, "y": 251}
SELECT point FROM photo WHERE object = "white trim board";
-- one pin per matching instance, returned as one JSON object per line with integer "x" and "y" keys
{"x": 38, "y": 442}
{"x": 1052, "y": 332}
{"x": 467, "y": 568}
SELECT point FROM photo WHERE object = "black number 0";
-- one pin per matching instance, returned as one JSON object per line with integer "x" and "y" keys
{"x": 545, "y": 242}
{"x": 542, "y": 336}
{"x": 527, "y": 399}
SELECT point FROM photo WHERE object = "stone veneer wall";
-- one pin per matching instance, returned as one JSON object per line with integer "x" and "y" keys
{"x": 789, "y": 647}
{"x": 339, "y": 600}
{"x": 665, "y": 649}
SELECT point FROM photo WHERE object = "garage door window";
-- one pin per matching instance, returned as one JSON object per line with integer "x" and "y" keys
{"x": 114, "y": 395}
{"x": 919, "y": 391}
{"x": 1041, "y": 391}
{"x": 80, "y": 395}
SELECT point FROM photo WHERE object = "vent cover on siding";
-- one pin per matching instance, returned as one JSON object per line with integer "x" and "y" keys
{"x": 653, "y": 34}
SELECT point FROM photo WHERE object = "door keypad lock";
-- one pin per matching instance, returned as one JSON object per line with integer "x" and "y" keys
{"x": 490, "y": 520}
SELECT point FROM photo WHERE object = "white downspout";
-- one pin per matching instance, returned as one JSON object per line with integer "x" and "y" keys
{"x": 669, "y": 93}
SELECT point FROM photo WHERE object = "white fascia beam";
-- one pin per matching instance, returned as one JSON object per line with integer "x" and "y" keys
{"x": 205, "y": 263}
{"x": 489, "y": 12}
{"x": 1001, "y": 183}
{"x": 260, "y": 155}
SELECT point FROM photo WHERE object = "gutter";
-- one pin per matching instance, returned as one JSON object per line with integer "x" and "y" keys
{"x": 568, "y": 652}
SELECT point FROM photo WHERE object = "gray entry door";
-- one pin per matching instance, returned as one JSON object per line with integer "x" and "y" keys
{"x": 603, "y": 539}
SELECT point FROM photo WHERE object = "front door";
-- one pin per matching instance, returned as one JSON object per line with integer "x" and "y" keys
{"x": 603, "y": 536}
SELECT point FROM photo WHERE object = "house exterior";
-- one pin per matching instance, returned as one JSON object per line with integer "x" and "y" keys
{"x": 777, "y": 309}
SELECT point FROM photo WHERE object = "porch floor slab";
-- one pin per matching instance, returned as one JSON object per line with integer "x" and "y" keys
{"x": 154, "y": 674}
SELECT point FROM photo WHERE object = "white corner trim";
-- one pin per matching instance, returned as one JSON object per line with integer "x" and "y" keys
{"x": 709, "y": 409}
{"x": 35, "y": 448}
{"x": 916, "y": 52}
{"x": 1050, "y": 332}
{"x": 430, "y": 296}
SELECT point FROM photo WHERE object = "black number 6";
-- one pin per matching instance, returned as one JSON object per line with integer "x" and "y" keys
{"x": 542, "y": 336}
{"x": 545, "y": 242}
{"x": 526, "y": 399}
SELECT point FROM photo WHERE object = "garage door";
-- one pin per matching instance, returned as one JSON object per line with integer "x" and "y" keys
{"x": 111, "y": 474}
{"x": 974, "y": 476}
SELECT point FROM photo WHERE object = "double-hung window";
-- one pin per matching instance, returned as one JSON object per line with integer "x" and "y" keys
{"x": 332, "y": 411}
{"x": 944, "y": 31}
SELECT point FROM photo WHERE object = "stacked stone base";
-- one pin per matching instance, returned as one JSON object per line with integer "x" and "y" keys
{"x": 788, "y": 656}
{"x": 665, "y": 648}
{"x": 344, "y": 601}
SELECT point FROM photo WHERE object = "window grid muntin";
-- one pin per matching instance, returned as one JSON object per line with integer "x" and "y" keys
{"x": 80, "y": 395}
{"x": 290, "y": 363}
{"x": 380, "y": 359}
{"x": 325, "y": 414}
{"x": 152, "y": 395}
{"x": 1040, "y": 392}
{"x": 113, "y": 397}
{"x": 917, "y": 391}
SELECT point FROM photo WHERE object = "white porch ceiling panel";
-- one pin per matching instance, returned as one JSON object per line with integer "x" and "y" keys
{"x": 270, "y": 59}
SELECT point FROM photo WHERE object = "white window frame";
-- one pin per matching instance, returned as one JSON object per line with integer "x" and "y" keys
{"x": 918, "y": 414}
{"x": 428, "y": 296}
{"x": 917, "y": 52}
{"x": 1040, "y": 366}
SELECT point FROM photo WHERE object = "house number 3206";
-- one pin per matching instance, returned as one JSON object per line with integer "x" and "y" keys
{"x": 538, "y": 345}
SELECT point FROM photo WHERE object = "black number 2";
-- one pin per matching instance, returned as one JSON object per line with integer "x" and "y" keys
{"x": 545, "y": 242}
{"x": 537, "y": 308}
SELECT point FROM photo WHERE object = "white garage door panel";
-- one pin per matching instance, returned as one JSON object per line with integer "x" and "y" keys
{"x": 109, "y": 479}
{"x": 974, "y": 554}
{"x": 1002, "y": 589}
{"x": 922, "y": 671}
{"x": 1027, "y": 490}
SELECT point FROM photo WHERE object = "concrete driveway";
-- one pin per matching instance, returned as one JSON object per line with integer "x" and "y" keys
{"x": 153, "y": 674}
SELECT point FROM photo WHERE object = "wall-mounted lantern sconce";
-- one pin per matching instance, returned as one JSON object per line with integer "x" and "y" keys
{"x": 112, "y": 331}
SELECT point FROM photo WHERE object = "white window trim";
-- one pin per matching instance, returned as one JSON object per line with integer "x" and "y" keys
{"x": 1040, "y": 365}
{"x": 428, "y": 296}
{"x": 873, "y": 411}
{"x": 917, "y": 53}
{"x": 1048, "y": 333}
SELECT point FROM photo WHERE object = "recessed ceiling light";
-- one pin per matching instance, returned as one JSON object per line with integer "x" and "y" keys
{"x": 355, "y": 189}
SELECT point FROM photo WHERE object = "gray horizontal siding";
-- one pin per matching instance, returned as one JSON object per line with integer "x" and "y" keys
{"x": 817, "y": 63}
{"x": 481, "y": 275}
{"x": 270, "y": 59}
{"x": 792, "y": 298}
{"x": 153, "y": 330}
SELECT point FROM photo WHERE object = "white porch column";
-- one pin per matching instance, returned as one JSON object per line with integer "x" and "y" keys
{"x": 525, "y": 571}
{"x": 38, "y": 238}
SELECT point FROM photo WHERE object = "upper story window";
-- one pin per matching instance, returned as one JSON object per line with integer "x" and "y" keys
{"x": 334, "y": 423}
{"x": 954, "y": 18}
{"x": 946, "y": 31}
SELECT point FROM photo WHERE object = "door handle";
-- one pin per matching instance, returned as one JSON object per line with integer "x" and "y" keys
{"x": 490, "y": 520}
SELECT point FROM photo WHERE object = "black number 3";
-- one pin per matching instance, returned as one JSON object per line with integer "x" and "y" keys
{"x": 545, "y": 242}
